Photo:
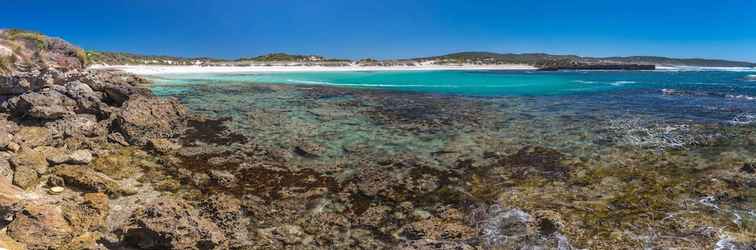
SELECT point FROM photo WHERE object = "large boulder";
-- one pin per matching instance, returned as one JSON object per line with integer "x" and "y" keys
{"x": 45, "y": 104}
{"x": 172, "y": 224}
{"x": 117, "y": 86}
{"x": 146, "y": 117}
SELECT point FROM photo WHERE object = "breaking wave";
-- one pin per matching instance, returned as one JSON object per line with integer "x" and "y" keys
{"x": 378, "y": 85}
{"x": 614, "y": 83}
{"x": 743, "y": 119}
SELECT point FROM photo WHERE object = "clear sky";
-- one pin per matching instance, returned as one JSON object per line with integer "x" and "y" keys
{"x": 396, "y": 28}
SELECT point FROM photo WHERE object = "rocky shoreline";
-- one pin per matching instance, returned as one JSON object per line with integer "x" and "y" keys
{"x": 90, "y": 159}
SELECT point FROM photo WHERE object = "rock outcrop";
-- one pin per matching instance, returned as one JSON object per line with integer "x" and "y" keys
{"x": 56, "y": 119}
{"x": 172, "y": 224}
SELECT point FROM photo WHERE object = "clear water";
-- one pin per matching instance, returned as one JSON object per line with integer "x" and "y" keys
{"x": 494, "y": 83}
{"x": 647, "y": 148}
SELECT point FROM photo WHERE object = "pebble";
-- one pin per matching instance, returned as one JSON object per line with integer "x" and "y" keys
{"x": 13, "y": 147}
{"x": 56, "y": 190}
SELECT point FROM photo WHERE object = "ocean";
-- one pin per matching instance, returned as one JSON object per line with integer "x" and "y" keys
{"x": 610, "y": 157}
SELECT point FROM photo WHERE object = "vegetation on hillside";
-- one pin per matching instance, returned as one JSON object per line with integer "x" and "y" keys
{"x": 30, "y": 46}
{"x": 122, "y": 58}
{"x": 535, "y": 59}
{"x": 541, "y": 60}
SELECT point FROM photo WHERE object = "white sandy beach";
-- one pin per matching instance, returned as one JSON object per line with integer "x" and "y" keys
{"x": 167, "y": 69}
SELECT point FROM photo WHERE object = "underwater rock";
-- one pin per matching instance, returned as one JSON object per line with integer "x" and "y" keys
{"x": 534, "y": 160}
{"x": 172, "y": 224}
{"x": 748, "y": 168}
{"x": 423, "y": 244}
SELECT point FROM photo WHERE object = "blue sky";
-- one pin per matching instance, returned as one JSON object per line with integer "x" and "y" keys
{"x": 396, "y": 28}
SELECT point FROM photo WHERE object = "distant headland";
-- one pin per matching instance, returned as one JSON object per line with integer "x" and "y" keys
{"x": 536, "y": 60}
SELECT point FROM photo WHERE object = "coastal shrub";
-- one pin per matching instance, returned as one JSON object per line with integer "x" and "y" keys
{"x": 82, "y": 56}
{"x": 38, "y": 39}
{"x": 6, "y": 63}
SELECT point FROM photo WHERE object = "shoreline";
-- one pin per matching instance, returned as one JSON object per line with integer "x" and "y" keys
{"x": 167, "y": 69}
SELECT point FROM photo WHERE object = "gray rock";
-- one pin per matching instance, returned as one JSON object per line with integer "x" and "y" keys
{"x": 80, "y": 157}
{"x": 144, "y": 118}
{"x": 81, "y": 125}
{"x": 46, "y": 104}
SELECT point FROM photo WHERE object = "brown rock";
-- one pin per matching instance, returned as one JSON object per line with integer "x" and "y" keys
{"x": 172, "y": 224}
{"x": 9, "y": 196}
{"x": 6, "y": 170}
{"x": 85, "y": 241}
{"x": 40, "y": 227}
{"x": 86, "y": 178}
{"x": 164, "y": 146}
{"x": 32, "y": 137}
{"x": 89, "y": 214}
{"x": 28, "y": 165}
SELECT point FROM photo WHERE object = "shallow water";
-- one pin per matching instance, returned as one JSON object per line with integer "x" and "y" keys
{"x": 637, "y": 158}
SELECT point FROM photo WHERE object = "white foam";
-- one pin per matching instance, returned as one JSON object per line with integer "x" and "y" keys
{"x": 584, "y": 81}
{"x": 695, "y": 68}
{"x": 620, "y": 83}
{"x": 743, "y": 119}
{"x": 368, "y": 84}
{"x": 741, "y": 97}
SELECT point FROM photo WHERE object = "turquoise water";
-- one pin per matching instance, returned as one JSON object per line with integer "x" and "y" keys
{"x": 492, "y": 83}
{"x": 644, "y": 153}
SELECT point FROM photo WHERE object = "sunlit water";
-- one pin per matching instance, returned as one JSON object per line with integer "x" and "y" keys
{"x": 693, "y": 120}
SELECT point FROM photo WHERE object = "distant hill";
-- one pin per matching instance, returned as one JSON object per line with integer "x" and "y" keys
{"x": 541, "y": 60}
{"x": 121, "y": 58}
{"x": 283, "y": 57}
{"x": 686, "y": 62}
